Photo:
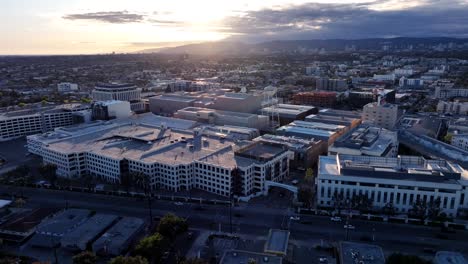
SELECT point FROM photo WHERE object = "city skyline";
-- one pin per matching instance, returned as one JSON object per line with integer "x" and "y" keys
{"x": 87, "y": 27}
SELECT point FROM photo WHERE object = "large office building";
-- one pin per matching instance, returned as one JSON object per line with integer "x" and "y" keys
{"x": 168, "y": 104}
{"x": 218, "y": 117}
{"x": 66, "y": 87}
{"x": 15, "y": 124}
{"x": 367, "y": 140}
{"x": 399, "y": 181}
{"x": 119, "y": 92}
{"x": 383, "y": 115}
{"x": 173, "y": 159}
{"x": 106, "y": 110}
{"x": 410, "y": 83}
{"x": 349, "y": 119}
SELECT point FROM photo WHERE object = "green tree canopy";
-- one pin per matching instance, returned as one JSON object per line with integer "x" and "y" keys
{"x": 152, "y": 247}
{"x": 128, "y": 260}
{"x": 85, "y": 257}
{"x": 171, "y": 225}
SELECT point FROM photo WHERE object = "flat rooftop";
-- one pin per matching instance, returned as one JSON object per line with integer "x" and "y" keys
{"x": 173, "y": 97}
{"x": 351, "y": 253}
{"x": 116, "y": 238}
{"x": 414, "y": 168}
{"x": 277, "y": 242}
{"x": 449, "y": 257}
{"x": 42, "y": 110}
{"x": 288, "y": 109}
{"x": 238, "y": 256}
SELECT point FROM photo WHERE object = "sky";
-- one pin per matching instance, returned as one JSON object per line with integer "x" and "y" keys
{"x": 103, "y": 26}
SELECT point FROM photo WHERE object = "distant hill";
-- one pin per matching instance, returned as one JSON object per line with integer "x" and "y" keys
{"x": 239, "y": 48}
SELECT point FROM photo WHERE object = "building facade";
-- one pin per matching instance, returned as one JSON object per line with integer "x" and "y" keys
{"x": 383, "y": 115}
{"x": 119, "y": 92}
{"x": 398, "y": 182}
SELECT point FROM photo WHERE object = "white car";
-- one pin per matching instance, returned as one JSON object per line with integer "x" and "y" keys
{"x": 179, "y": 203}
{"x": 349, "y": 227}
{"x": 297, "y": 218}
{"x": 336, "y": 219}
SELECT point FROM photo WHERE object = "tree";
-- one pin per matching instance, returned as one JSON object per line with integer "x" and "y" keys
{"x": 251, "y": 261}
{"x": 419, "y": 209}
{"x": 388, "y": 209}
{"x": 171, "y": 225}
{"x": 433, "y": 209}
{"x": 142, "y": 180}
{"x": 397, "y": 258}
{"x": 152, "y": 247}
{"x": 305, "y": 196}
{"x": 192, "y": 261}
{"x": 338, "y": 201}
{"x": 49, "y": 172}
{"x": 89, "y": 181}
{"x": 85, "y": 257}
{"x": 448, "y": 138}
{"x": 309, "y": 175}
{"x": 128, "y": 260}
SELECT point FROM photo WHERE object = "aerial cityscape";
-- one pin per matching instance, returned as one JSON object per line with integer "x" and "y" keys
{"x": 234, "y": 132}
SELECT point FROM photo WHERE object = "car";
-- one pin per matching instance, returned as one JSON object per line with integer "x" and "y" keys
{"x": 336, "y": 219}
{"x": 323, "y": 260}
{"x": 44, "y": 184}
{"x": 294, "y": 182}
{"x": 179, "y": 203}
{"x": 349, "y": 227}
{"x": 296, "y": 218}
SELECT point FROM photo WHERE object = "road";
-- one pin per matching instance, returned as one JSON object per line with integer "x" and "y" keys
{"x": 251, "y": 219}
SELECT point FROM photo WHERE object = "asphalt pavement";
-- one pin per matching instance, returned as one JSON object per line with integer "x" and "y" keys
{"x": 253, "y": 219}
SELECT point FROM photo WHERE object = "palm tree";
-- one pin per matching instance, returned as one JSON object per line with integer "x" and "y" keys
{"x": 142, "y": 180}
{"x": 338, "y": 201}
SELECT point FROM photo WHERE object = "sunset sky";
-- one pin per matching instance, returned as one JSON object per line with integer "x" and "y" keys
{"x": 99, "y": 26}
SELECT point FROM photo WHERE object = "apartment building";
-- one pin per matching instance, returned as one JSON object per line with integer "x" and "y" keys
{"x": 326, "y": 84}
{"x": 383, "y": 115}
{"x": 398, "y": 181}
{"x": 454, "y": 108}
{"x": 15, "y": 124}
{"x": 172, "y": 159}
{"x": 120, "y": 92}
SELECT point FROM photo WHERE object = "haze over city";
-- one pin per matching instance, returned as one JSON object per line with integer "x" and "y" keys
{"x": 90, "y": 27}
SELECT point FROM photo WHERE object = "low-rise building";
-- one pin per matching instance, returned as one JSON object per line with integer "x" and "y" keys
{"x": 460, "y": 141}
{"x": 287, "y": 113}
{"x": 351, "y": 253}
{"x": 311, "y": 130}
{"x": 318, "y": 98}
{"x": 66, "y": 87}
{"x": 367, "y": 140}
{"x": 218, "y": 117}
{"x": 399, "y": 181}
{"x": 118, "y": 238}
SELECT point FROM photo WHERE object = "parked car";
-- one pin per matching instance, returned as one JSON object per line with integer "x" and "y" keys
{"x": 336, "y": 219}
{"x": 296, "y": 218}
{"x": 349, "y": 227}
{"x": 179, "y": 203}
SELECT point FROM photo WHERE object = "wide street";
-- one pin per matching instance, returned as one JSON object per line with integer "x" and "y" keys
{"x": 253, "y": 219}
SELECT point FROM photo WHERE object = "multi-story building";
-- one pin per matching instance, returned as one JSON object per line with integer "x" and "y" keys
{"x": 106, "y": 110}
{"x": 383, "y": 115}
{"x": 444, "y": 92}
{"x": 405, "y": 82}
{"x": 287, "y": 113}
{"x": 367, "y": 140}
{"x": 326, "y": 84}
{"x": 15, "y": 124}
{"x": 460, "y": 141}
{"x": 120, "y": 92}
{"x": 397, "y": 181}
{"x": 455, "y": 108}
{"x": 321, "y": 99}
{"x": 218, "y": 117}
{"x": 172, "y": 159}
{"x": 312, "y": 130}
{"x": 67, "y": 87}
{"x": 384, "y": 77}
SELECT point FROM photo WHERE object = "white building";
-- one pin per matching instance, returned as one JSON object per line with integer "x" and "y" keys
{"x": 383, "y": 115}
{"x": 15, "y": 124}
{"x": 327, "y": 84}
{"x": 403, "y": 72}
{"x": 67, "y": 87}
{"x": 105, "y": 110}
{"x": 455, "y": 108}
{"x": 120, "y": 92}
{"x": 172, "y": 159}
{"x": 367, "y": 140}
{"x": 405, "y": 82}
{"x": 460, "y": 141}
{"x": 447, "y": 92}
{"x": 398, "y": 181}
{"x": 384, "y": 77}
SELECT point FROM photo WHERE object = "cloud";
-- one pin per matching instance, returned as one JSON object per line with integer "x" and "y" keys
{"x": 113, "y": 17}
{"x": 364, "y": 20}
